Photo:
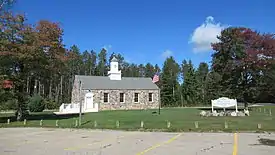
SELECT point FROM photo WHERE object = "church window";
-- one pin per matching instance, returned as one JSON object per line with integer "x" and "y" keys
{"x": 106, "y": 97}
{"x": 121, "y": 97}
{"x": 136, "y": 97}
{"x": 150, "y": 97}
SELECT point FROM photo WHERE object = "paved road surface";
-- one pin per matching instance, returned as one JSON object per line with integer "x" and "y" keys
{"x": 41, "y": 141}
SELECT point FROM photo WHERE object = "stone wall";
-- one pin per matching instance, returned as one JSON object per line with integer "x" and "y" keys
{"x": 75, "y": 91}
{"x": 114, "y": 99}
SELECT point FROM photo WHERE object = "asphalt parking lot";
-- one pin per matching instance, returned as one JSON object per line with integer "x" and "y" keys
{"x": 43, "y": 141}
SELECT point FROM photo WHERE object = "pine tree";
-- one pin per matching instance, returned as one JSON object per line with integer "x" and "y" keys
{"x": 92, "y": 69}
{"x": 149, "y": 70}
{"x": 190, "y": 84}
{"x": 201, "y": 74}
{"x": 169, "y": 82}
{"x": 102, "y": 62}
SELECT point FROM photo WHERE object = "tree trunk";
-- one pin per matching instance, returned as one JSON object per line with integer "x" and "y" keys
{"x": 56, "y": 94}
{"x": 43, "y": 90}
{"x": 181, "y": 100}
{"x": 22, "y": 110}
{"x": 203, "y": 95}
{"x": 39, "y": 87}
{"x": 35, "y": 86}
{"x": 28, "y": 83}
{"x": 50, "y": 90}
{"x": 19, "y": 116}
{"x": 245, "y": 93}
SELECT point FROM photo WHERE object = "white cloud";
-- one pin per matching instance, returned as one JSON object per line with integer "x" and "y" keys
{"x": 107, "y": 47}
{"x": 206, "y": 34}
{"x": 166, "y": 53}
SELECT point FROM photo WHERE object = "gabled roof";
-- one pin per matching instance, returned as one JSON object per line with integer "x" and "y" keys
{"x": 104, "y": 82}
{"x": 114, "y": 59}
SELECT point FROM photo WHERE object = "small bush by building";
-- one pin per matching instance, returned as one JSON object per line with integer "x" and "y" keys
{"x": 36, "y": 104}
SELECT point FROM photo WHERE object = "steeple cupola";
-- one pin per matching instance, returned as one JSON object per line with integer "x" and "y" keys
{"x": 114, "y": 73}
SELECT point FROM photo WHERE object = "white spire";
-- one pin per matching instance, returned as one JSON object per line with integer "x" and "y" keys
{"x": 114, "y": 73}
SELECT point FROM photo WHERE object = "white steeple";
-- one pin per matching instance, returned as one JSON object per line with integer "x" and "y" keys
{"x": 114, "y": 73}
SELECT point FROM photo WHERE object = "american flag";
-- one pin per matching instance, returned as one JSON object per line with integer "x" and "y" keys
{"x": 156, "y": 78}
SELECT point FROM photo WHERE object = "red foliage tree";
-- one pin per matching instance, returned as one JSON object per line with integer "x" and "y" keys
{"x": 241, "y": 57}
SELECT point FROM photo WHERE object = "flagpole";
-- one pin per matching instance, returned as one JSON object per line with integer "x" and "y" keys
{"x": 159, "y": 101}
{"x": 159, "y": 95}
{"x": 156, "y": 80}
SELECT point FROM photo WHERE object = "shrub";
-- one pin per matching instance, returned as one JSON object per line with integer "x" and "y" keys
{"x": 36, "y": 104}
{"x": 51, "y": 104}
{"x": 7, "y": 100}
{"x": 11, "y": 104}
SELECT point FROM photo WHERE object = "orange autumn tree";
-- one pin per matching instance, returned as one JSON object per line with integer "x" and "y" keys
{"x": 14, "y": 52}
{"x": 29, "y": 50}
{"x": 49, "y": 40}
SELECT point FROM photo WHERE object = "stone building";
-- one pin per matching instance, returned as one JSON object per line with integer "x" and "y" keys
{"x": 114, "y": 92}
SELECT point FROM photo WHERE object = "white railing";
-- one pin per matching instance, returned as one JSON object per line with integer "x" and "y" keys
{"x": 70, "y": 107}
{"x": 66, "y": 108}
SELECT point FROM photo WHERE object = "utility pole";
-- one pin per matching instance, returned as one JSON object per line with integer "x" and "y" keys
{"x": 80, "y": 103}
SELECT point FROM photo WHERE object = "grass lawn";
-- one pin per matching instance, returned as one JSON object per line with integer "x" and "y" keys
{"x": 181, "y": 119}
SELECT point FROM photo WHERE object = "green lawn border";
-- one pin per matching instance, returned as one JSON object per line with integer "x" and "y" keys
{"x": 189, "y": 128}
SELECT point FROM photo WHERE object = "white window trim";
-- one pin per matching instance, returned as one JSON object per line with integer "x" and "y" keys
{"x": 123, "y": 97}
{"x": 137, "y": 98}
{"x": 108, "y": 98}
{"x": 152, "y": 97}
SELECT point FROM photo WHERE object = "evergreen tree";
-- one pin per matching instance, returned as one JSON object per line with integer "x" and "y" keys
{"x": 169, "y": 82}
{"x": 190, "y": 84}
{"x": 213, "y": 87}
{"x": 87, "y": 62}
{"x": 102, "y": 62}
{"x": 76, "y": 63}
{"x": 141, "y": 71}
{"x": 93, "y": 66}
{"x": 201, "y": 75}
{"x": 149, "y": 70}
{"x": 134, "y": 70}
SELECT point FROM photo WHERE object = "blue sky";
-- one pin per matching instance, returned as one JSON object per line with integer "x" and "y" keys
{"x": 146, "y": 30}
